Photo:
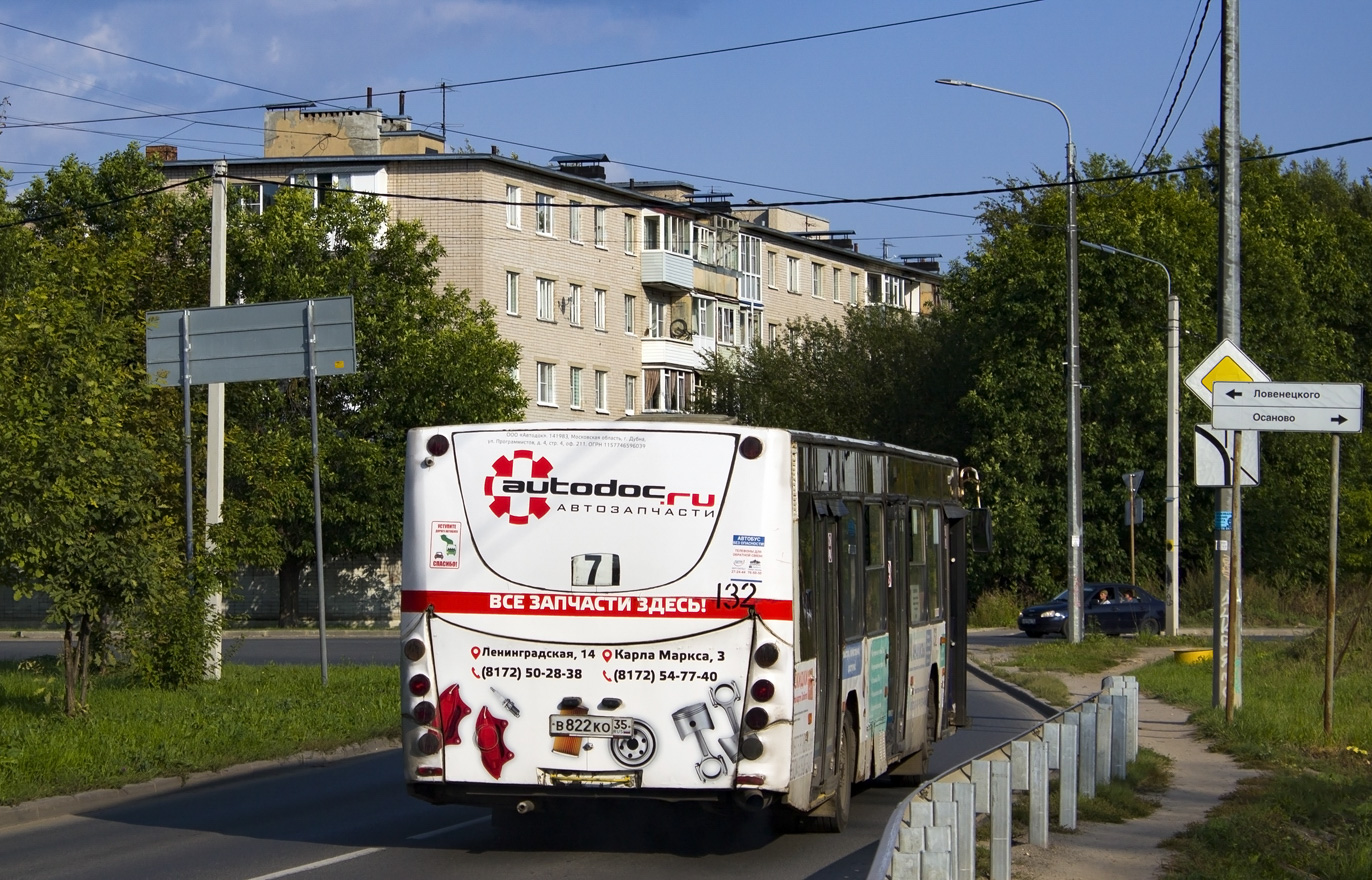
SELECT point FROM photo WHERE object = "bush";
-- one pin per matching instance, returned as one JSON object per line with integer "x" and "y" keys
{"x": 168, "y": 638}
{"x": 995, "y": 608}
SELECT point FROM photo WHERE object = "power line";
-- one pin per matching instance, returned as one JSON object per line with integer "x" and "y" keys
{"x": 445, "y": 86}
{"x": 1180, "y": 82}
{"x": 217, "y": 79}
{"x": 93, "y": 205}
{"x": 1194, "y": 85}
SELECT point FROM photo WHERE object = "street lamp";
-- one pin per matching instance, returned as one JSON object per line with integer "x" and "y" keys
{"x": 1173, "y": 555}
{"x": 1074, "y": 528}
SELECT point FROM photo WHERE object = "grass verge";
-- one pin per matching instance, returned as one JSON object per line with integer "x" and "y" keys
{"x": 134, "y": 733}
{"x": 1310, "y": 813}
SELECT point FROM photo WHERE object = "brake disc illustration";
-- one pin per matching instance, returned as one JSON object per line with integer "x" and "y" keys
{"x": 695, "y": 719}
{"x": 637, "y": 749}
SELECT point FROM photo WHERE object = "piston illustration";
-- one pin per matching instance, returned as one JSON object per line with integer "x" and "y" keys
{"x": 725, "y": 696}
{"x": 695, "y": 719}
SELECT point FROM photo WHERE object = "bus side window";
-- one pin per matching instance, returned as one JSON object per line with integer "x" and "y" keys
{"x": 850, "y": 577}
{"x": 809, "y": 568}
{"x": 874, "y": 565}
{"x": 934, "y": 540}
{"x": 917, "y": 568}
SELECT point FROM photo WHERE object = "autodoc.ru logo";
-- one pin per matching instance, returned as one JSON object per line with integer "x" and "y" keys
{"x": 518, "y": 496}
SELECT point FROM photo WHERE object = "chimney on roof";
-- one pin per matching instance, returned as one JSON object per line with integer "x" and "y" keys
{"x": 402, "y": 104}
{"x": 495, "y": 151}
{"x": 369, "y": 97}
{"x": 160, "y": 152}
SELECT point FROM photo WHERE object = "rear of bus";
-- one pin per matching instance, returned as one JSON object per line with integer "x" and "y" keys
{"x": 593, "y": 611}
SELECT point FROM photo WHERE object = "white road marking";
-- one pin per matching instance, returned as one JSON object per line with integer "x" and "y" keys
{"x": 300, "y": 869}
{"x": 437, "y": 831}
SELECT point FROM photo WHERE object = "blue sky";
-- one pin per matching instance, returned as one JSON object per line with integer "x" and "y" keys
{"x": 852, "y": 116}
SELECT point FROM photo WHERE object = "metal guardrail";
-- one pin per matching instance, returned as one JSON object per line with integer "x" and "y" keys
{"x": 932, "y": 833}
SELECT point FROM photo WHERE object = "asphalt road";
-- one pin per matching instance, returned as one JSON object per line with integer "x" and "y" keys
{"x": 352, "y": 819}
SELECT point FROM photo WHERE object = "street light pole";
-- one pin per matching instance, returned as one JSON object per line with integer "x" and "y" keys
{"x": 1172, "y": 555}
{"x": 1074, "y": 523}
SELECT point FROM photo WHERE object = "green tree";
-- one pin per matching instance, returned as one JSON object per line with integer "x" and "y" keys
{"x": 424, "y": 357}
{"x": 88, "y": 452}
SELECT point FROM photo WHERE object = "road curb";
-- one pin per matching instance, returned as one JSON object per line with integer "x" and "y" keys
{"x": 1041, "y": 706}
{"x": 85, "y": 801}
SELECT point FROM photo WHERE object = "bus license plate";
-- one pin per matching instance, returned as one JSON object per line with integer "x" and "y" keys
{"x": 589, "y": 725}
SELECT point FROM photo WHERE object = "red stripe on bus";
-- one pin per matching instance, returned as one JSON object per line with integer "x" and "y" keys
{"x": 572, "y": 605}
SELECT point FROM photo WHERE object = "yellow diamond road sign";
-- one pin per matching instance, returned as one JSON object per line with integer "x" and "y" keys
{"x": 1227, "y": 363}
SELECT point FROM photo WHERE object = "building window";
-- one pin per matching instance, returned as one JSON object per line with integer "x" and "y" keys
{"x": 545, "y": 299}
{"x": 657, "y": 319}
{"x": 600, "y": 227}
{"x": 629, "y": 303}
{"x": 254, "y": 198}
{"x": 772, "y": 269}
{"x": 599, "y": 309}
{"x": 547, "y": 384}
{"x": 838, "y": 277}
{"x": 575, "y": 381}
{"x": 574, "y": 221}
{"x": 512, "y": 200}
{"x": 574, "y": 305}
{"x": 772, "y": 333}
{"x": 511, "y": 293}
{"x": 630, "y": 233}
{"x": 602, "y": 391}
{"x": 816, "y": 280}
{"x": 750, "y": 278}
{"x": 543, "y": 214}
{"x": 652, "y": 232}
{"x": 853, "y": 289}
{"x": 703, "y": 316}
{"x": 630, "y": 394}
{"x": 665, "y": 390}
{"x": 793, "y": 274}
{"x": 727, "y": 319}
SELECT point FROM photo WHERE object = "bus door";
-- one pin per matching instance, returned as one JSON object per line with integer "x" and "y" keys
{"x": 828, "y": 646}
{"x": 898, "y": 625}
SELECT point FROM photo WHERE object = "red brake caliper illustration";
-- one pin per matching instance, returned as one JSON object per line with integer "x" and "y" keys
{"x": 490, "y": 739}
{"x": 504, "y": 467}
{"x": 451, "y": 712}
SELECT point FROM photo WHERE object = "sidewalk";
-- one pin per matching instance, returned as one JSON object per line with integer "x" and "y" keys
{"x": 1130, "y": 851}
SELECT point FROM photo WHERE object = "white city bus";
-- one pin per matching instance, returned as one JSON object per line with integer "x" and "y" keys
{"x": 675, "y": 611}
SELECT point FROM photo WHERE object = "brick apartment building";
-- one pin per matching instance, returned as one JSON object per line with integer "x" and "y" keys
{"x": 613, "y": 291}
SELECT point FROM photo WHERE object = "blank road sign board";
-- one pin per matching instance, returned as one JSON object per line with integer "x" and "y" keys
{"x": 247, "y": 343}
{"x": 1311, "y": 407}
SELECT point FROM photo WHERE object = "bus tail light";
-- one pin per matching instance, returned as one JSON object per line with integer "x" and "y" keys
{"x": 766, "y": 654}
{"x": 428, "y": 771}
{"x": 419, "y": 684}
{"x": 437, "y": 445}
{"x": 750, "y": 448}
{"x": 762, "y": 690}
{"x": 414, "y": 650}
{"x": 429, "y": 743}
{"x": 424, "y": 712}
{"x": 751, "y": 747}
{"x": 757, "y": 718}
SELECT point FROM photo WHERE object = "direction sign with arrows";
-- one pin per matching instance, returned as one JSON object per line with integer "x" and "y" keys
{"x": 1319, "y": 408}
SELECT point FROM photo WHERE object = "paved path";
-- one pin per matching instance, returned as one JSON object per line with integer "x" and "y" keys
{"x": 1130, "y": 851}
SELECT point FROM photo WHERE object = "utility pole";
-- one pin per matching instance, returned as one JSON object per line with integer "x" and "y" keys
{"x": 214, "y": 433}
{"x": 1227, "y": 640}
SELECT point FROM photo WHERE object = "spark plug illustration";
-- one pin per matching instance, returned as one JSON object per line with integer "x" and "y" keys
{"x": 725, "y": 696}
{"x": 695, "y": 719}
{"x": 508, "y": 703}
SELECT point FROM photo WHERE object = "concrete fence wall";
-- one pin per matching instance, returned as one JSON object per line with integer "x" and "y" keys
{"x": 932, "y": 834}
{"x": 357, "y": 592}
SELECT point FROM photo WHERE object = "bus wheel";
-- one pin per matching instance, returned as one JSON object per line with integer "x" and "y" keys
{"x": 837, "y": 810}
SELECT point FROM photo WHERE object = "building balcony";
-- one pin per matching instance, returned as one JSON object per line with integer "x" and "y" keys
{"x": 666, "y": 270}
{"x": 680, "y": 353}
